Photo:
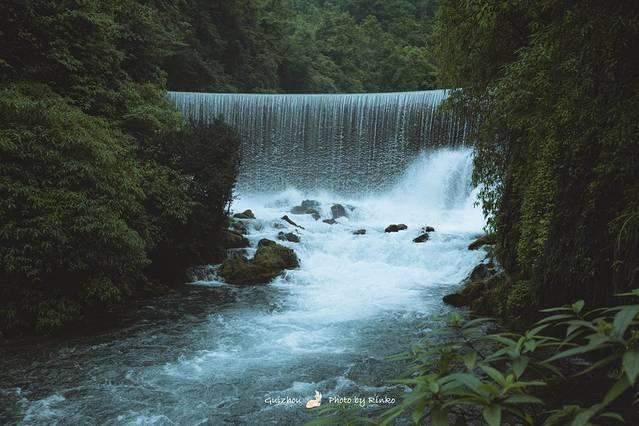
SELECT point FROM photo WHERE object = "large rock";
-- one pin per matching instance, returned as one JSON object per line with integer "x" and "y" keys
{"x": 233, "y": 240}
{"x": 338, "y": 210}
{"x": 330, "y": 221}
{"x": 396, "y": 228}
{"x": 288, "y": 237}
{"x": 488, "y": 239}
{"x": 246, "y": 214}
{"x": 359, "y": 232}
{"x": 428, "y": 229}
{"x": 270, "y": 260}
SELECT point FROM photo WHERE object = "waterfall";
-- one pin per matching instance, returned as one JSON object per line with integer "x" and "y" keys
{"x": 345, "y": 143}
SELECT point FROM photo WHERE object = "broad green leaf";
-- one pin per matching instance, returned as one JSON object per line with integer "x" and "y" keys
{"x": 523, "y": 399}
{"x": 601, "y": 363}
{"x": 493, "y": 374}
{"x": 583, "y": 418}
{"x": 630, "y": 363}
{"x": 578, "y": 306}
{"x": 470, "y": 359}
{"x": 519, "y": 365}
{"x": 469, "y": 380}
{"x": 624, "y": 318}
{"x": 560, "y": 309}
{"x": 554, "y": 318}
{"x": 615, "y": 416}
{"x": 418, "y": 411}
{"x": 476, "y": 322}
{"x": 492, "y": 415}
{"x": 577, "y": 351}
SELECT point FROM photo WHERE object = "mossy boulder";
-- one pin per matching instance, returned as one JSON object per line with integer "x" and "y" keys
{"x": 233, "y": 240}
{"x": 246, "y": 214}
{"x": 488, "y": 239}
{"x": 270, "y": 260}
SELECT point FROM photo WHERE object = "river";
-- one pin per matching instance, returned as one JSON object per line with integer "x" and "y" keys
{"x": 213, "y": 353}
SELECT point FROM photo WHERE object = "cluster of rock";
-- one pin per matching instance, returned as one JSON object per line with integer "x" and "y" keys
{"x": 270, "y": 260}
{"x": 308, "y": 207}
{"x": 476, "y": 286}
{"x": 312, "y": 207}
{"x": 424, "y": 233}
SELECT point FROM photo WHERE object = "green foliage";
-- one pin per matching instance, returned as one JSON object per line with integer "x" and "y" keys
{"x": 106, "y": 191}
{"x": 461, "y": 375}
{"x": 206, "y": 158}
{"x": 354, "y": 46}
{"x": 556, "y": 150}
{"x": 70, "y": 193}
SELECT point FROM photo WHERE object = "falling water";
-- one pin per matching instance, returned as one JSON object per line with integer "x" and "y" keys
{"x": 334, "y": 142}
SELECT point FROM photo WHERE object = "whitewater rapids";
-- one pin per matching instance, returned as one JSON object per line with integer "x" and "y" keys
{"x": 219, "y": 354}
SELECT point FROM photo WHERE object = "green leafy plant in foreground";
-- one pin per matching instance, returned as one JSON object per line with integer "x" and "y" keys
{"x": 573, "y": 367}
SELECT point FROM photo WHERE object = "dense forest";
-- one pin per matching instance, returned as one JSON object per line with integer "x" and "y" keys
{"x": 100, "y": 185}
{"x": 557, "y": 151}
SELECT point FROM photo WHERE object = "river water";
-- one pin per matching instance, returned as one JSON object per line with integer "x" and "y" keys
{"x": 212, "y": 353}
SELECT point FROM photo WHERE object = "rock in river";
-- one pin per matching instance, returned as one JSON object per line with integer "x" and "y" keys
{"x": 246, "y": 214}
{"x": 270, "y": 260}
{"x": 307, "y": 207}
{"x": 396, "y": 228}
{"x": 338, "y": 210}
{"x": 288, "y": 237}
{"x": 287, "y": 219}
{"x": 487, "y": 239}
{"x": 422, "y": 238}
{"x": 232, "y": 240}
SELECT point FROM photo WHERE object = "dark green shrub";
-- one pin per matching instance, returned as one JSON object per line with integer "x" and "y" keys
{"x": 69, "y": 196}
{"x": 574, "y": 367}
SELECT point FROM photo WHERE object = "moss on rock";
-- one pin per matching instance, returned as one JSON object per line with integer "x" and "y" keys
{"x": 269, "y": 261}
{"x": 233, "y": 240}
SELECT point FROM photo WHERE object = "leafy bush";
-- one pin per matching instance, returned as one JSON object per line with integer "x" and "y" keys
{"x": 69, "y": 194}
{"x": 574, "y": 367}
{"x": 556, "y": 150}
{"x": 207, "y": 158}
